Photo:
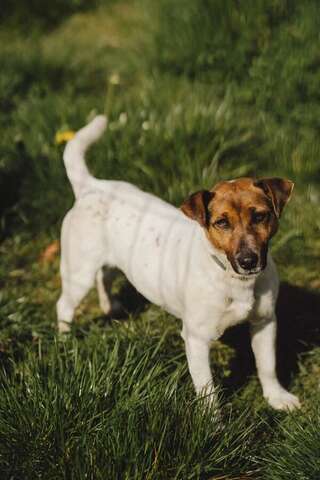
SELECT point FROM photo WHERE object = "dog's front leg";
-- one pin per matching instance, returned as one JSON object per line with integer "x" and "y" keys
{"x": 197, "y": 350}
{"x": 263, "y": 341}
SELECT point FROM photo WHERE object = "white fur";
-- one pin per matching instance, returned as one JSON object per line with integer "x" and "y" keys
{"x": 168, "y": 258}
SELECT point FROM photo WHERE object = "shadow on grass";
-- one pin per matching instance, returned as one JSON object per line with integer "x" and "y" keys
{"x": 298, "y": 312}
{"x": 127, "y": 302}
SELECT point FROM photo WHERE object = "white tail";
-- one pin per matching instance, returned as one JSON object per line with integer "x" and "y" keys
{"x": 74, "y": 153}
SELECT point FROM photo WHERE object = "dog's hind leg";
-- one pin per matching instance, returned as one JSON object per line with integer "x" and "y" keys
{"x": 104, "y": 300}
{"x": 81, "y": 259}
{"x": 104, "y": 280}
{"x": 74, "y": 289}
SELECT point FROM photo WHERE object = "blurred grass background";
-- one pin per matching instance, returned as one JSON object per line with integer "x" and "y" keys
{"x": 196, "y": 91}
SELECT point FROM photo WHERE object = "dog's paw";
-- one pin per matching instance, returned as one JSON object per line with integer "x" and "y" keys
{"x": 63, "y": 327}
{"x": 283, "y": 400}
{"x": 105, "y": 305}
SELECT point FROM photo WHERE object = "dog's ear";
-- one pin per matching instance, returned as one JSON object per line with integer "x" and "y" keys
{"x": 196, "y": 206}
{"x": 278, "y": 190}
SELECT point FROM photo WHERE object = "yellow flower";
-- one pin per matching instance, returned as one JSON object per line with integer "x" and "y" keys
{"x": 62, "y": 137}
{"x": 114, "y": 79}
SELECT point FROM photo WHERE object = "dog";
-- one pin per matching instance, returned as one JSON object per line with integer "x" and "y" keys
{"x": 207, "y": 263}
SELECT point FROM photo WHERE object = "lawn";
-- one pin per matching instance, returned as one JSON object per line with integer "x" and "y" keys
{"x": 196, "y": 91}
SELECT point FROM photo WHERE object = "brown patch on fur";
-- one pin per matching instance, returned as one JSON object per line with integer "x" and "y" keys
{"x": 196, "y": 206}
{"x": 279, "y": 190}
{"x": 240, "y": 214}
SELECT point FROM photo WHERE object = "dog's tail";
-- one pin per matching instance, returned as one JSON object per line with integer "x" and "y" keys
{"x": 74, "y": 153}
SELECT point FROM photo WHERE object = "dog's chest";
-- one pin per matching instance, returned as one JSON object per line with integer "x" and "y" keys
{"x": 238, "y": 306}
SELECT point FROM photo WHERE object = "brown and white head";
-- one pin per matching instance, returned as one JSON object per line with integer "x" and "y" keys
{"x": 239, "y": 218}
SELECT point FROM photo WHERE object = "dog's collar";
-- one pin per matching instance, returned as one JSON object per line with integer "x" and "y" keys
{"x": 244, "y": 278}
{"x": 218, "y": 262}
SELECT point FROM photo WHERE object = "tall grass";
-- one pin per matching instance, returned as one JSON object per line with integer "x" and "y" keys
{"x": 118, "y": 405}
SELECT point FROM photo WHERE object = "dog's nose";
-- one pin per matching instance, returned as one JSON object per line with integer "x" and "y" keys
{"x": 247, "y": 260}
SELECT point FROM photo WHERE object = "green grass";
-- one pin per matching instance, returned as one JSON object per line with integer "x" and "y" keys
{"x": 294, "y": 453}
{"x": 207, "y": 90}
{"x": 92, "y": 408}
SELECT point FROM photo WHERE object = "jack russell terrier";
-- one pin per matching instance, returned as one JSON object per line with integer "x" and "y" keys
{"x": 206, "y": 263}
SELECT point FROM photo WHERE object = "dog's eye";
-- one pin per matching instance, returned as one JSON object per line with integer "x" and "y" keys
{"x": 259, "y": 217}
{"x": 222, "y": 223}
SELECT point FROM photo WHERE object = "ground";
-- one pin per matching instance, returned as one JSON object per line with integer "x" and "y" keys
{"x": 195, "y": 92}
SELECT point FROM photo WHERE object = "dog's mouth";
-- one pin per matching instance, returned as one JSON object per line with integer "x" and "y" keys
{"x": 244, "y": 273}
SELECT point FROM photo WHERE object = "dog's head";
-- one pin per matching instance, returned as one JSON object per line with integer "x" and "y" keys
{"x": 240, "y": 217}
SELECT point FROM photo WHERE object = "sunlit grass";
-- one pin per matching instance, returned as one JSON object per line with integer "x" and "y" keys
{"x": 115, "y": 400}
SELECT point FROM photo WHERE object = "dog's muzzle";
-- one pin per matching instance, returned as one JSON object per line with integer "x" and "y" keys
{"x": 249, "y": 262}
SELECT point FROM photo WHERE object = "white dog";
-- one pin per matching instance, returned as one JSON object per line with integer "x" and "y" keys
{"x": 207, "y": 264}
